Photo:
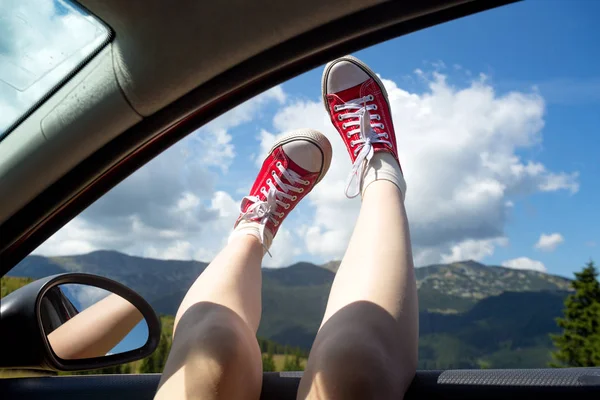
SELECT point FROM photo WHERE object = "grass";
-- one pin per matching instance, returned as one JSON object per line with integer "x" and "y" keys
{"x": 280, "y": 360}
{"x": 21, "y": 373}
{"x": 10, "y": 284}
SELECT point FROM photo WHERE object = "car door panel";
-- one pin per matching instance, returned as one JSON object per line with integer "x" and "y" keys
{"x": 578, "y": 383}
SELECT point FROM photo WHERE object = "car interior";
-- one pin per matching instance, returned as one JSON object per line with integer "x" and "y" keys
{"x": 161, "y": 72}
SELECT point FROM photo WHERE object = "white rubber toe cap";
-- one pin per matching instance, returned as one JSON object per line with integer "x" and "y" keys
{"x": 308, "y": 148}
{"x": 344, "y": 75}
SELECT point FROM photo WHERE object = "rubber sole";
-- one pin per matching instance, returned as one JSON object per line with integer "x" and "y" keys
{"x": 315, "y": 137}
{"x": 359, "y": 64}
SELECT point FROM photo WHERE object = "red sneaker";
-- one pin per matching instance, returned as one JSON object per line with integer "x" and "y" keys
{"x": 358, "y": 106}
{"x": 295, "y": 164}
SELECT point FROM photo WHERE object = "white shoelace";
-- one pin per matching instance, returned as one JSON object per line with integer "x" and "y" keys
{"x": 367, "y": 137}
{"x": 267, "y": 210}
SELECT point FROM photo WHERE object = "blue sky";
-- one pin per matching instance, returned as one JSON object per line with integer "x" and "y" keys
{"x": 526, "y": 75}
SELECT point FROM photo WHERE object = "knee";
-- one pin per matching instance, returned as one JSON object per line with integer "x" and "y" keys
{"x": 218, "y": 340}
{"x": 213, "y": 351}
{"x": 348, "y": 368}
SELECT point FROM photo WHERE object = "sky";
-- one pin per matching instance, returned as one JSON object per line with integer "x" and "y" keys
{"x": 497, "y": 122}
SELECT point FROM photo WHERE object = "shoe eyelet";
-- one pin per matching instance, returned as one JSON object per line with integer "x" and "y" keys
{"x": 281, "y": 215}
{"x": 335, "y": 108}
{"x": 287, "y": 206}
{"x": 279, "y": 164}
{"x": 269, "y": 181}
{"x": 371, "y": 97}
{"x": 294, "y": 198}
{"x": 306, "y": 183}
{"x": 273, "y": 173}
{"x": 275, "y": 222}
{"x": 374, "y": 107}
{"x": 263, "y": 190}
{"x": 301, "y": 190}
{"x": 340, "y": 117}
{"x": 344, "y": 126}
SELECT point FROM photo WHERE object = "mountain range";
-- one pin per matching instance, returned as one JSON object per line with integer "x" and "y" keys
{"x": 471, "y": 315}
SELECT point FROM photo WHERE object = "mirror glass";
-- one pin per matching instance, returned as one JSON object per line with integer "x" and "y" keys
{"x": 83, "y": 321}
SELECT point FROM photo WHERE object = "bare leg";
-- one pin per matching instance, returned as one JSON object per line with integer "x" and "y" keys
{"x": 215, "y": 354}
{"x": 367, "y": 344}
{"x": 366, "y": 347}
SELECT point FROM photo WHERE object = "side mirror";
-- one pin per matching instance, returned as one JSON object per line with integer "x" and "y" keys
{"x": 75, "y": 321}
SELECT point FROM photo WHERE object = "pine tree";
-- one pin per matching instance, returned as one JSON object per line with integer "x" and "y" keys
{"x": 579, "y": 343}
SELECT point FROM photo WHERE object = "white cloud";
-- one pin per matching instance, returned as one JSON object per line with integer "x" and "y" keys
{"x": 459, "y": 148}
{"x": 328, "y": 243}
{"x": 473, "y": 249}
{"x": 247, "y": 111}
{"x": 283, "y": 250}
{"x": 76, "y": 237}
{"x": 525, "y": 263}
{"x": 549, "y": 242}
{"x": 180, "y": 250}
{"x": 266, "y": 141}
{"x": 217, "y": 149}
{"x": 188, "y": 202}
{"x": 202, "y": 232}
{"x": 561, "y": 181}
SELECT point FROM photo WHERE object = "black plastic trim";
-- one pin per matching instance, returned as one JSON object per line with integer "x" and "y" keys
{"x": 108, "y": 166}
{"x": 282, "y": 386}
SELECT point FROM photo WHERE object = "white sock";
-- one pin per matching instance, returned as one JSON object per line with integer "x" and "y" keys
{"x": 253, "y": 229}
{"x": 383, "y": 166}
